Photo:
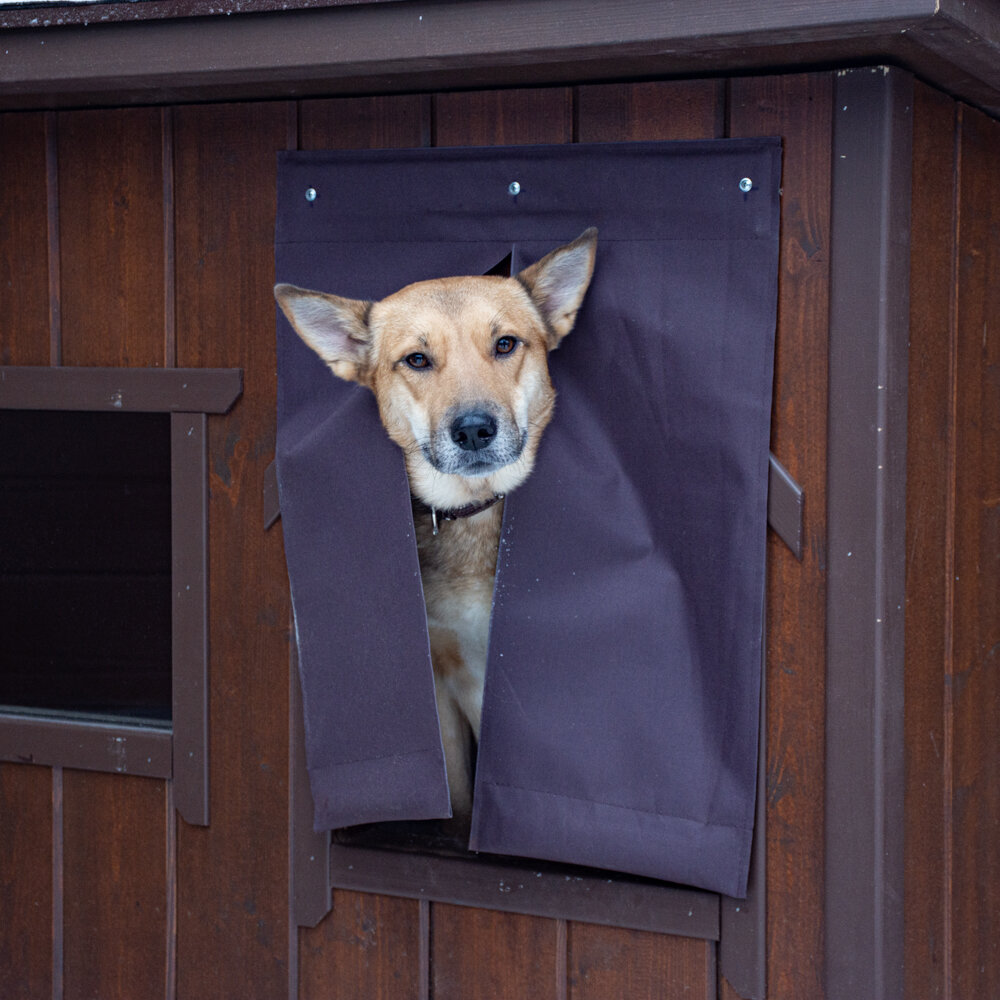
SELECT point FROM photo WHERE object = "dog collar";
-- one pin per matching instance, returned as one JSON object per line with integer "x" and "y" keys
{"x": 454, "y": 513}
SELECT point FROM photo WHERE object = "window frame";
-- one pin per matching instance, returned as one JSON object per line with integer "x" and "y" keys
{"x": 178, "y": 751}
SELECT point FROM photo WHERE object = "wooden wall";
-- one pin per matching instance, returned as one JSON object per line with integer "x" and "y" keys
{"x": 953, "y": 568}
{"x": 144, "y": 237}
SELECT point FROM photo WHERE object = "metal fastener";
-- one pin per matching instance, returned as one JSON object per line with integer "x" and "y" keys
{"x": 513, "y": 189}
{"x": 746, "y": 185}
{"x": 311, "y": 194}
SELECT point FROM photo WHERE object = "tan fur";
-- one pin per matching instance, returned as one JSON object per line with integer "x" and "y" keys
{"x": 461, "y": 327}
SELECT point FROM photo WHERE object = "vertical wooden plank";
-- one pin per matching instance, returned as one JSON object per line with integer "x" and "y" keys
{"x": 26, "y": 845}
{"x": 110, "y": 232}
{"x": 367, "y": 948}
{"x": 481, "y": 953}
{"x": 111, "y": 236}
{"x": 24, "y": 316}
{"x": 115, "y": 887}
{"x": 485, "y": 955}
{"x": 25, "y": 881}
{"x": 930, "y": 573}
{"x": 503, "y": 117}
{"x": 798, "y": 108}
{"x": 169, "y": 241}
{"x": 232, "y": 904}
{"x": 973, "y": 683}
{"x": 52, "y": 225}
{"x": 365, "y": 122}
{"x": 606, "y": 962}
{"x": 658, "y": 110}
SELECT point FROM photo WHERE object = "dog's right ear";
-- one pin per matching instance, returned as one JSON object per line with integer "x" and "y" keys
{"x": 335, "y": 328}
{"x": 558, "y": 283}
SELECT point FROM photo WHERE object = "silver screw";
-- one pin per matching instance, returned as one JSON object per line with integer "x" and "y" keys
{"x": 513, "y": 189}
{"x": 311, "y": 194}
{"x": 746, "y": 185}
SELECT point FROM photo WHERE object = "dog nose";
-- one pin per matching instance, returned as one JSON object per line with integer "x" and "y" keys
{"x": 473, "y": 431}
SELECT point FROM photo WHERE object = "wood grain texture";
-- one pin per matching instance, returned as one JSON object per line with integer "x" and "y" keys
{"x": 485, "y": 955}
{"x": 798, "y": 108}
{"x": 367, "y": 947}
{"x": 503, "y": 117}
{"x": 973, "y": 680}
{"x": 657, "y": 110}
{"x": 606, "y": 962}
{"x": 930, "y": 480}
{"x": 233, "y": 892}
{"x": 24, "y": 302}
{"x": 26, "y": 887}
{"x": 365, "y": 122}
{"x": 116, "y": 930}
{"x": 111, "y": 237}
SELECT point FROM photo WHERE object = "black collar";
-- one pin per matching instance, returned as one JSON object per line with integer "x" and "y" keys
{"x": 454, "y": 513}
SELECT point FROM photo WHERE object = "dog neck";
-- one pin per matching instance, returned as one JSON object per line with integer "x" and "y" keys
{"x": 454, "y": 513}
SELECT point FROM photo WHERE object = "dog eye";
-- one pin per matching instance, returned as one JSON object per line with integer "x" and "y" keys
{"x": 418, "y": 361}
{"x": 505, "y": 345}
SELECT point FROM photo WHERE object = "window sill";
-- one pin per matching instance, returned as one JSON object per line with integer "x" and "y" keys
{"x": 87, "y": 744}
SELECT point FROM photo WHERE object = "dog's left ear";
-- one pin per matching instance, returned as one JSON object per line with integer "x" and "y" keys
{"x": 558, "y": 283}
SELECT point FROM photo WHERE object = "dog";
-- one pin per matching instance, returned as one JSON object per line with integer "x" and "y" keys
{"x": 459, "y": 369}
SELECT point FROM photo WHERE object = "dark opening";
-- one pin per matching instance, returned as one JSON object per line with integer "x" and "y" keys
{"x": 85, "y": 564}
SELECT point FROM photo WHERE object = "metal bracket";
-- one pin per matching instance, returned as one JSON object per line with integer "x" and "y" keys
{"x": 784, "y": 506}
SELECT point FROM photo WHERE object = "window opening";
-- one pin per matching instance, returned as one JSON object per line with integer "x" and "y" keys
{"x": 85, "y": 565}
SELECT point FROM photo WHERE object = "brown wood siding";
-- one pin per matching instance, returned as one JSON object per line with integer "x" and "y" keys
{"x": 232, "y": 902}
{"x": 145, "y": 237}
{"x": 27, "y": 890}
{"x": 115, "y": 884}
{"x": 798, "y": 108}
{"x": 930, "y": 474}
{"x": 111, "y": 237}
{"x": 973, "y": 683}
{"x": 24, "y": 272}
{"x": 953, "y": 571}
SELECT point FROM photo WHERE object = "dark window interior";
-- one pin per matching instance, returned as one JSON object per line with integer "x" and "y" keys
{"x": 85, "y": 564}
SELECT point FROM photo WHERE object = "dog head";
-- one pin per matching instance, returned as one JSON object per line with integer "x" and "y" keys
{"x": 459, "y": 366}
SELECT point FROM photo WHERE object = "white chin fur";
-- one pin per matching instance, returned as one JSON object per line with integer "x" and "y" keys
{"x": 443, "y": 490}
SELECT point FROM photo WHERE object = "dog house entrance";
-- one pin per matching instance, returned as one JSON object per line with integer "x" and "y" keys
{"x": 85, "y": 564}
